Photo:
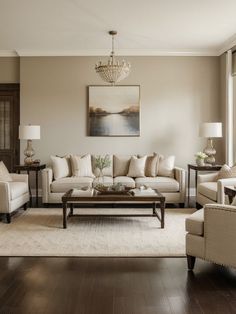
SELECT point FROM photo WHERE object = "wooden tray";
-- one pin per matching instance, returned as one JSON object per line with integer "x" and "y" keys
{"x": 104, "y": 192}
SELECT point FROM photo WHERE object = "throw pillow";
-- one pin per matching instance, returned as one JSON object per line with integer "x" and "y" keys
{"x": 82, "y": 166}
{"x": 151, "y": 166}
{"x": 4, "y": 173}
{"x": 61, "y": 166}
{"x": 137, "y": 167}
{"x": 106, "y": 171}
{"x": 166, "y": 166}
{"x": 121, "y": 165}
{"x": 227, "y": 172}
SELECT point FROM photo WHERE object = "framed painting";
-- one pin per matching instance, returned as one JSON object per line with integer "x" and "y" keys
{"x": 114, "y": 110}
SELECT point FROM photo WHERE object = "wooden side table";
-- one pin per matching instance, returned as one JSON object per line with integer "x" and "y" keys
{"x": 36, "y": 168}
{"x": 230, "y": 191}
{"x": 197, "y": 168}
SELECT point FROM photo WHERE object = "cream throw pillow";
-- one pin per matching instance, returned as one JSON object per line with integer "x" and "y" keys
{"x": 166, "y": 166}
{"x": 61, "y": 166}
{"x": 151, "y": 166}
{"x": 4, "y": 173}
{"x": 121, "y": 165}
{"x": 227, "y": 172}
{"x": 137, "y": 167}
{"x": 82, "y": 166}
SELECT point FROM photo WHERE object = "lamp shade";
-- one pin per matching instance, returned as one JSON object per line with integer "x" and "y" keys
{"x": 210, "y": 129}
{"x": 29, "y": 132}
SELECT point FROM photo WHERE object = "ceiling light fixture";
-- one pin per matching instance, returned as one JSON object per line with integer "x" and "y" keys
{"x": 114, "y": 71}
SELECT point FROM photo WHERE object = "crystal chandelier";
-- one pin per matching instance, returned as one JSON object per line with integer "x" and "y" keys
{"x": 114, "y": 71}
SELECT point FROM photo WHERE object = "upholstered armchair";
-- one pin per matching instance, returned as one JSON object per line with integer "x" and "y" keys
{"x": 211, "y": 235}
{"x": 210, "y": 190}
{"x": 14, "y": 194}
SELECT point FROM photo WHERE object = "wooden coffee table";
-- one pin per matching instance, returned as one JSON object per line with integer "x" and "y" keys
{"x": 153, "y": 201}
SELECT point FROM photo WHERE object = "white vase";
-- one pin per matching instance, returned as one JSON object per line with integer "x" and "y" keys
{"x": 200, "y": 162}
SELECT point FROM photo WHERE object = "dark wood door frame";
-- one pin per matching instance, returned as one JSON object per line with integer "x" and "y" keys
{"x": 13, "y": 90}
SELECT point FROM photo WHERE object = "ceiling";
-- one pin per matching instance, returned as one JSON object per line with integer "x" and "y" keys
{"x": 151, "y": 27}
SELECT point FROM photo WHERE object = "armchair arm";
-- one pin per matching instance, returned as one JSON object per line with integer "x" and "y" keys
{"x": 220, "y": 188}
{"x": 220, "y": 234}
{"x": 47, "y": 176}
{"x": 208, "y": 177}
{"x": 179, "y": 175}
{"x": 5, "y": 197}
{"x": 19, "y": 177}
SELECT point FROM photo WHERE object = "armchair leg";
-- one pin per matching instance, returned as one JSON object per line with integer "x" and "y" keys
{"x": 191, "y": 261}
{"x": 8, "y": 216}
{"x": 25, "y": 206}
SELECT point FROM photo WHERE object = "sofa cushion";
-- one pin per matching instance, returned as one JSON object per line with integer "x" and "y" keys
{"x": 106, "y": 171}
{"x": 17, "y": 189}
{"x": 4, "y": 173}
{"x": 82, "y": 166}
{"x": 121, "y": 165}
{"x": 105, "y": 180}
{"x": 61, "y": 166}
{"x": 227, "y": 172}
{"x": 166, "y": 166}
{"x": 137, "y": 167}
{"x": 162, "y": 184}
{"x": 208, "y": 189}
{"x": 151, "y": 165}
{"x": 127, "y": 181}
{"x": 65, "y": 184}
{"x": 195, "y": 223}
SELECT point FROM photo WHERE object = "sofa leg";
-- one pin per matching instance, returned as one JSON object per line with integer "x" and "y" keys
{"x": 25, "y": 206}
{"x": 198, "y": 206}
{"x": 181, "y": 205}
{"x": 8, "y": 216}
{"x": 191, "y": 261}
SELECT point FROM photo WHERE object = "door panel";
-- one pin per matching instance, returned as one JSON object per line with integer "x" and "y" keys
{"x": 9, "y": 123}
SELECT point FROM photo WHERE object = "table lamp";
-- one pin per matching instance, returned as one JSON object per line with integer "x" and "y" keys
{"x": 29, "y": 133}
{"x": 210, "y": 130}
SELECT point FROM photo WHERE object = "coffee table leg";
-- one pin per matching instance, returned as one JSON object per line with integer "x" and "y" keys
{"x": 154, "y": 208}
{"x": 162, "y": 207}
{"x": 65, "y": 215}
{"x": 71, "y": 209}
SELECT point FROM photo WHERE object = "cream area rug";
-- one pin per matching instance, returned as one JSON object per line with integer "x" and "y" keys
{"x": 39, "y": 232}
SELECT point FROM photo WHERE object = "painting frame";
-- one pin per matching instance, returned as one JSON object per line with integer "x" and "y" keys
{"x": 134, "y": 111}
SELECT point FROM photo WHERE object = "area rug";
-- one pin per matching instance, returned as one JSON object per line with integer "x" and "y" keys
{"x": 39, "y": 232}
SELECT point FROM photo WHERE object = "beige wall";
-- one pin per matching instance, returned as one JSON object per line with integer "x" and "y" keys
{"x": 9, "y": 70}
{"x": 177, "y": 93}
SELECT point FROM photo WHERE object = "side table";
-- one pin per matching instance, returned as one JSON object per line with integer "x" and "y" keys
{"x": 230, "y": 191}
{"x": 197, "y": 168}
{"x": 36, "y": 168}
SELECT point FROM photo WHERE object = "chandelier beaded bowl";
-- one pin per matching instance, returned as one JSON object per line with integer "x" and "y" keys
{"x": 114, "y": 71}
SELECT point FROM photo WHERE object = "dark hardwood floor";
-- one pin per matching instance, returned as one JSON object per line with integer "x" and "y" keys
{"x": 114, "y": 285}
{"x": 37, "y": 285}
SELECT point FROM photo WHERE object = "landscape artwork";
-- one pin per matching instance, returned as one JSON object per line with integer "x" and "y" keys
{"x": 114, "y": 111}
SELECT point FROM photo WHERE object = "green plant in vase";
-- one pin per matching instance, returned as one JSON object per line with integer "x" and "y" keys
{"x": 101, "y": 163}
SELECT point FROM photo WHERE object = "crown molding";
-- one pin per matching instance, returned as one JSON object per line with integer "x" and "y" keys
{"x": 8, "y": 53}
{"x": 228, "y": 44}
{"x": 119, "y": 52}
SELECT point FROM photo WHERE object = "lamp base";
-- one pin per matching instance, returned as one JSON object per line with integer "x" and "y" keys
{"x": 29, "y": 153}
{"x": 210, "y": 152}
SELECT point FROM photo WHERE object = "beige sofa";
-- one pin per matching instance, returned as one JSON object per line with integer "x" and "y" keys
{"x": 172, "y": 187}
{"x": 210, "y": 190}
{"x": 14, "y": 194}
{"x": 211, "y": 235}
